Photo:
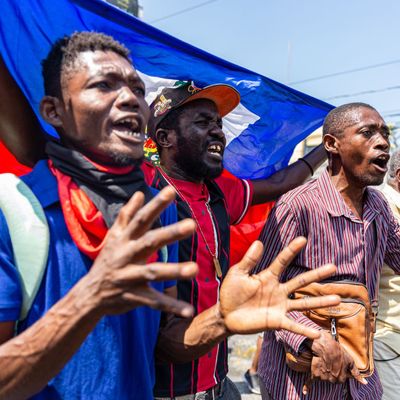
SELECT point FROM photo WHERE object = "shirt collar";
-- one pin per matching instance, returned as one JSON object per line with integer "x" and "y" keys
{"x": 191, "y": 190}
{"x": 335, "y": 204}
{"x": 372, "y": 204}
{"x": 43, "y": 184}
{"x": 331, "y": 198}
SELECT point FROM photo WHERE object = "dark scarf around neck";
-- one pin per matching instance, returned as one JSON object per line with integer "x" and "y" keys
{"x": 108, "y": 188}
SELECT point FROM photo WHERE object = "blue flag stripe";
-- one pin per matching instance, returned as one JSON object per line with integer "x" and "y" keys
{"x": 286, "y": 116}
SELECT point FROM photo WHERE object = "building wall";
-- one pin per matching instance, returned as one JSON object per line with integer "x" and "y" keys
{"x": 130, "y": 6}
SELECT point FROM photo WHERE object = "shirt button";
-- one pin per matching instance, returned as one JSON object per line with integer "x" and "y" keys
{"x": 203, "y": 212}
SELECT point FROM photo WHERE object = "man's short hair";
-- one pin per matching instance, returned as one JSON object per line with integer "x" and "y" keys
{"x": 394, "y": 164}
{"x": 338, "y": 119}
{"x": 64, "y": 52}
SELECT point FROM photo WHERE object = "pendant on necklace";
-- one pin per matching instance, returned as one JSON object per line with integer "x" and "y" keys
{"x": 217, "y": 266}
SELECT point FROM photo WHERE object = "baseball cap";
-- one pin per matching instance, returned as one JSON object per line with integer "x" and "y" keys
{"x": 225, "y": 97}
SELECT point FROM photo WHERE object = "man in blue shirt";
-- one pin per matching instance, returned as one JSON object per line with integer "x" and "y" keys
{"x": 104, "y": 367}
{"x": 101, "y": 255}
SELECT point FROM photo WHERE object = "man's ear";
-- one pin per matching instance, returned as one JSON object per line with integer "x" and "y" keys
{"x": 331, "y": 143}
{"x": 51, "y": 110}
{"x": 165, "y": 137}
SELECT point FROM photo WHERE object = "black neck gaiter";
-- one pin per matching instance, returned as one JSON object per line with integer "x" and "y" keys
{"x": 108, "y": 191}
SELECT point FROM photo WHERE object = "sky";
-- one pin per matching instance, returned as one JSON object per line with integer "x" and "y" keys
{"x": 297, "y": 40}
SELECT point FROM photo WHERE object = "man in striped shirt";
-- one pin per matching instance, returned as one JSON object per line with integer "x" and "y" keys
{"x": 346, "y": 223}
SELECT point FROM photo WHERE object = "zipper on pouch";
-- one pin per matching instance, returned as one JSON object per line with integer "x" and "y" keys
{"x": 333, "y": 329}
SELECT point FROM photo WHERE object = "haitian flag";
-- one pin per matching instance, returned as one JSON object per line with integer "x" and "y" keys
{"x": 261, "y": 132}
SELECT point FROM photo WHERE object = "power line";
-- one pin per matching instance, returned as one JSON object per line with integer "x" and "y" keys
{"x": 393, "y": 117}
{"x": 372, "y": 91}
{"x": 182, "y": 11}
{"x": 389, "y": 113}
{"x": 347, "y": 71}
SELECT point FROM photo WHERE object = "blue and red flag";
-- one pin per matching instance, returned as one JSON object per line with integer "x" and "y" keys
{"x": 261, "y": 132}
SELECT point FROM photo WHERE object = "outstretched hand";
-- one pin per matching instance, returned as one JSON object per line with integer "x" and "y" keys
{"x": 254, "y": 303}
{"x": 120, "y": 276}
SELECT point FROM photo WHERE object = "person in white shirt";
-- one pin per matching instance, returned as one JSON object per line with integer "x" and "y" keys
{"x": 387, "y": 336}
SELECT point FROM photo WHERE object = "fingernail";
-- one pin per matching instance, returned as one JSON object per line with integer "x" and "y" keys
{"x": 187, "y": 312}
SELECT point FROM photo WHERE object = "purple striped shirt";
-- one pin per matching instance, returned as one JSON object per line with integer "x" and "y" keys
{"x": 317, "y": 211}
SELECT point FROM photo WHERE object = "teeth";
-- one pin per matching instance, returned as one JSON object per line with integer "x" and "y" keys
{"x": 126, "y": 131}
{"x": 136, "y": 134}
{"x": 126, "y": 121}
{"x": 215, "y": 148}
{"x": 382, "y": 159}
{"x": 131, "y": 133}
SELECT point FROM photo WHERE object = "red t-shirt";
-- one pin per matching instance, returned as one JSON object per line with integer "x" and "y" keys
{"x": 214, "y": 205}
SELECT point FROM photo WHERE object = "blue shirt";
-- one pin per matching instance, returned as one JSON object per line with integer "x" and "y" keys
{"x": 116, "y": 359}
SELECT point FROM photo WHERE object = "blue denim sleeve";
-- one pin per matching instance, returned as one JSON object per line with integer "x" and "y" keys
{"x": 10, "y": 289}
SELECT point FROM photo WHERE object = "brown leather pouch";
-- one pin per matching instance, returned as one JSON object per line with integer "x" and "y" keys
{"x": 351, "y": 323}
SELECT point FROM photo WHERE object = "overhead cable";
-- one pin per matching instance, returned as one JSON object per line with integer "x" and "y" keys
{"x": 345, "y": 72}
{"x": 364, "y": 92}
{"x": 182, "y": 11}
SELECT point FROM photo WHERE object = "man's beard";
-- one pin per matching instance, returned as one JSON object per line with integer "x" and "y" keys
{"x": 198, "y": 169}
{"x": 372, "y": 180}
{"x": 124, "y": 160}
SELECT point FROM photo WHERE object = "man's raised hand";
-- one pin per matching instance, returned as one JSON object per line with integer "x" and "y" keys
{"x": 253, "y": 303}
{"x": 120, "y": 278}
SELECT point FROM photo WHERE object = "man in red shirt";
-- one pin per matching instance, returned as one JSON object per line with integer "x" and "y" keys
{"x": 186, "y": 124}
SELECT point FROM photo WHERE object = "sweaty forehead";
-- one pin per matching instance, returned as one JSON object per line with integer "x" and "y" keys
{"x": 362, "y": 116}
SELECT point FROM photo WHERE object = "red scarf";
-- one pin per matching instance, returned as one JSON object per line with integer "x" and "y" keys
{"x": 84, "y": 221}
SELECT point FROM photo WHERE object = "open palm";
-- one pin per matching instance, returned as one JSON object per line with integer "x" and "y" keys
{"x": 252, "y": 303}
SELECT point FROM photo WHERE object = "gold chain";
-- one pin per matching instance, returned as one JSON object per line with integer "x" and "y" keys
{"x": 217, "y": 265}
